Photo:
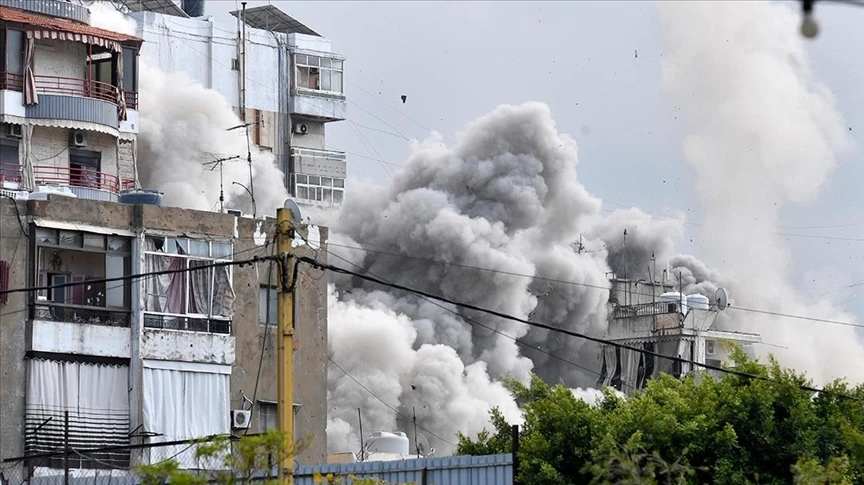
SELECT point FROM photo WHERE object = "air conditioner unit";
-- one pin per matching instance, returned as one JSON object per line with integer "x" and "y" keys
{"x": 78, "y": 139}
{"x": 15, "y": 131}
{"x": 240, "y": 419}
{"x": 234, "y": 212}
{"x": 710, "y": 347}
{"x": 301, "y": 128}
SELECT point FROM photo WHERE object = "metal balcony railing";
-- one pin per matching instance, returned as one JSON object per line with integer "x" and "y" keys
{"x": 61, "y": 312}
{"x": 315, "y": 153}
{"x": 77, "y": 177}
{"x": 646, "y": 309}
{"x": 67, "y": 86}
{"x": 192, "y": 324}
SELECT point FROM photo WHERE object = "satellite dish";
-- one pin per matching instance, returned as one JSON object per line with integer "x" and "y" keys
{"x": 295, "y": 211}
{"x": 721, "y": 299}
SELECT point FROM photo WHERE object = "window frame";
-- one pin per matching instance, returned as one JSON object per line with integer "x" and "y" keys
{"x": 186, "y": 244}
{"x": 307, "y": 62}
{"x": 273, "y": 310}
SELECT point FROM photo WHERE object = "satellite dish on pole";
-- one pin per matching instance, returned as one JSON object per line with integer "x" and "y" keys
{"x": 721, "y": 299}
{"x": 295, "y": 211}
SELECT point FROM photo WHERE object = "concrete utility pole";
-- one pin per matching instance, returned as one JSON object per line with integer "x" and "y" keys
{"x": 285, "y": 349}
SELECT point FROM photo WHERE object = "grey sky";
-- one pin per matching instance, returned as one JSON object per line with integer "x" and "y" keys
{"x": 457, "y": 61}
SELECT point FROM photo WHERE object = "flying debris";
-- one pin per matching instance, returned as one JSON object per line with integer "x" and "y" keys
{"x": 404, "y": 98}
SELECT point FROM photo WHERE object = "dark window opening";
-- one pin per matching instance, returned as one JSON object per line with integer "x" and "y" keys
{"x": 10, "y": 164}
{"x": 84, "y": 168}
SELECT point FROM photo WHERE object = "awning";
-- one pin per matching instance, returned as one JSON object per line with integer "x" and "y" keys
{"x": 44, "y": 27}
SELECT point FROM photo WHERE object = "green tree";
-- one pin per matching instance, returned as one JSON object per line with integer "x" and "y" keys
{"x": 729, "y": 430}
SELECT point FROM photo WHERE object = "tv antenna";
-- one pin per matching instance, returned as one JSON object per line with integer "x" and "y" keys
{"x": 218, "y": 163}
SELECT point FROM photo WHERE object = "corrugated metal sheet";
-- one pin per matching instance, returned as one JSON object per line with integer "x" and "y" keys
{"x": 450, "y": 470}
{"x": 74, "y": 108}
{"x": 67, "y": 10}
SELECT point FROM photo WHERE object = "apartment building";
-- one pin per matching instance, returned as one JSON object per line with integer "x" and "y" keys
{"x": 132, "y": 361}
{"x": 654, "y": 317}
{"x": 282, "y": 77}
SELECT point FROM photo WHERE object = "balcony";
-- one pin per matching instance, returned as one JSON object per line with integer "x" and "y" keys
{"x": 85, "y": 183}
{"x": 169, "y": 322}
{"x": 75, "y": 99}
{"x": 57, "y": 312}
{"x": 52, "y": 8}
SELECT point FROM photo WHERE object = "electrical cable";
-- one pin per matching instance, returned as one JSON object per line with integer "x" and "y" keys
{"x": 468, "y": 306}
{"x": 220, "y": 264}
{"x": 385, "y": 402}
{"x": 495, "y": 330}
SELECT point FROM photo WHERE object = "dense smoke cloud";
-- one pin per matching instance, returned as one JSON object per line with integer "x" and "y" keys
{"x": 493, "y": 220}
{"x": 764, "y": 134}
{"x": 183, "y": 126}
{"x": 505, "y": 199}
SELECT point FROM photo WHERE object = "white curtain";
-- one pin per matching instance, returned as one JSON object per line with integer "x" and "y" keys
{"x": 96, "y": 396}
{"x": 28, "y": 175}
{"x": 185, "y": 401}
{"x": 164, "y": 293}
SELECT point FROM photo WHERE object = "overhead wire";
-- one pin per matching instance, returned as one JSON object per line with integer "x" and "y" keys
{"x": 325, "y": 266}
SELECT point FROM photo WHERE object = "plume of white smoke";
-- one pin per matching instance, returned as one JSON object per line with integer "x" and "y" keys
{"x": 490, "y": 221}
{"x": 105, "y": 16}
{"x": 184, "y": 125}
{"x": 764, "y": 134}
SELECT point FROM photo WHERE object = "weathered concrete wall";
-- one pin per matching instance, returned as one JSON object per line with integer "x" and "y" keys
{"x": 310, "y": 357}
{"x": 209, "y": 348}
{"x": 80, "y": 339}
{"x": 13, "y": 249}
{"x": 51, "y": 148}
{"x": 89, "y": 212}
{"x": 60, "y": 58}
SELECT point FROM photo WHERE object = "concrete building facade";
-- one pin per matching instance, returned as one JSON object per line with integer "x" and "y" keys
{"x": 153, "y": 359}
{"x": 133, "y": 361}
{"x": 653, "y": 317}
{"x": 283, "y": 79}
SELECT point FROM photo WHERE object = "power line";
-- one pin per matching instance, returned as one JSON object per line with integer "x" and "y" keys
{"x": 220, "y": 264}
{"x": 586, "y": 285}
{"x": 385, "y": 402}
{"x": 316, "y": 264}
{"x": 479, "y": 324}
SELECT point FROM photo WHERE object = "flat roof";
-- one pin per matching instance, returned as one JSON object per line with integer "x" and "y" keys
{"x": 272, "y": 19}
{"x": 169, "y": 7}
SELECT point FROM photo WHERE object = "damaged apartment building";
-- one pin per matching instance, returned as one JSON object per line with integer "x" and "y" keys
{"x": 132, "y": 361}
{"x": 281, "y": 77}
{"x": 652, "y": 316}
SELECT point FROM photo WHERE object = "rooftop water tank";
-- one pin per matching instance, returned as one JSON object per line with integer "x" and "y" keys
{"x": 700, "y": 302}
{"x": 384, "y": 442}
{"x": 141, "y": 196}
{"x": 673, "y": 299}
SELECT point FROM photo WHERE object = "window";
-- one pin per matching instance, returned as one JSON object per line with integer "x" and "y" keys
{"x": 4, "y": 280}
{"x": 267, "y": 297}
{"x": 130, "y": 69}
{"x": 267, "y": 419}
{"x": 201, "y": 299}
{"x": 14, "y": 54}
{"x": 64, "y": 257}
{"x": 84, "y": 166}
{"x": 10, "y": 165}
{"x": 318, "y": 73}
{"x": 314, "y": 188}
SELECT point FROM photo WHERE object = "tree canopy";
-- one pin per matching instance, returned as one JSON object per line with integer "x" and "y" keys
{"x": 700, "y": 429}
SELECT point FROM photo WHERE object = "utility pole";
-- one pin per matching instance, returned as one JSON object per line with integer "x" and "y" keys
{"x": 66, "y": 447}
{"x": 285, "y": 348}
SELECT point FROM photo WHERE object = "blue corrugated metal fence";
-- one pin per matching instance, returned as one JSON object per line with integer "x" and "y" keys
{"x": 449, "y": 470}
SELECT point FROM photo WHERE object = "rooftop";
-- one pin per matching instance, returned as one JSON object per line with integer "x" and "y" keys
{"x": 55, "y": 24}
{"x": 272, "y": 19}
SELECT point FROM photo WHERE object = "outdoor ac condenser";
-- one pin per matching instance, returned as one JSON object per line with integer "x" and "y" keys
{"x": 241, "y": 419}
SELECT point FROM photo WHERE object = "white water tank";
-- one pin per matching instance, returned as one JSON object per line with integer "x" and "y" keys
{"x": 384, "y": 442}
{"x": 671, "y": 297}
{"x": 697, "y": 301}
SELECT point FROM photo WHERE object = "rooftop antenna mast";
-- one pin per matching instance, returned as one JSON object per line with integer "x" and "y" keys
{"x": 219, "y": 162}
{"x": 416, "y": 443}
{"x": 362, "y": 447}
{"x": 624, "y": 260}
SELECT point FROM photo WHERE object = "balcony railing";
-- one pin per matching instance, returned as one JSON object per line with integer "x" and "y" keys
{"x": 315, "y": 153}
{"x": 57, "y": 312}
{"x": 66, "y": 176}
{"x": 170, "y": 322}
{"x": 67, "y": 86}
{"x": 645, "y": 309}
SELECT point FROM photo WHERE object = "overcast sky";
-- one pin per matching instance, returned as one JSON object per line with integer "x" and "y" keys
{"x": 457, "y": 61}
